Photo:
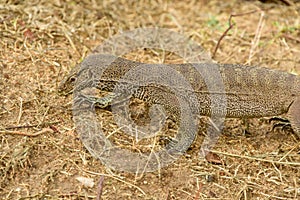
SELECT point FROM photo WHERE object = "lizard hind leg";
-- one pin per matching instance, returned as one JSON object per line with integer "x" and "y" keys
{"x": 294, "y": 116}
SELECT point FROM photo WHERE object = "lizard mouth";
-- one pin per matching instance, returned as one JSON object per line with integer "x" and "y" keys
{"x": 65, "y": 91}
{"x": 66, "y": 87}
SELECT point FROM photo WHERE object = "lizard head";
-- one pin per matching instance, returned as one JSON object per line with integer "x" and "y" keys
{"x": 66, "y": 86}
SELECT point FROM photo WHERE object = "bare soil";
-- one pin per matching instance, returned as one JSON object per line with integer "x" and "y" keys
{"x": 41, "y": 154}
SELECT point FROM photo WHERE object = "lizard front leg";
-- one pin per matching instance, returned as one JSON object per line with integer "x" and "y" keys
{"x": 108, "y": 100}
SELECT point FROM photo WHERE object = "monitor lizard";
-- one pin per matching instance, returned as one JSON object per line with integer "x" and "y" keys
{"x": 251, "y": 91}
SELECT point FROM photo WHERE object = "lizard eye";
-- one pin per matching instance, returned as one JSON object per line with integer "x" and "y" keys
{"x": 73, "y": 79}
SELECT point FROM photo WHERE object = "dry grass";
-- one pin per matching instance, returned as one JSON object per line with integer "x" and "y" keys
{"x": 40, "y": 42}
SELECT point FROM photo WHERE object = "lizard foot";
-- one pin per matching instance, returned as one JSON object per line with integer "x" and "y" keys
{"x": 103, "y": 102}
{"x": 282, "y": 123}
{"x": 285, "y": 126}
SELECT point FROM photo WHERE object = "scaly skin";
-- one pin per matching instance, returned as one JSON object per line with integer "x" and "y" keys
{"x": 250, "y": 91}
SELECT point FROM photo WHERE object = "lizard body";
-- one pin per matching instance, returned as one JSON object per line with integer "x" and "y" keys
{"x": 250, "y": 91}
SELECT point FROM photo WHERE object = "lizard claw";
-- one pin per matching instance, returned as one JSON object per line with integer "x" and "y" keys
{"x": 283, "y": 126}
{"x": 278, "y": 119}
{"x": 282, "y": 123}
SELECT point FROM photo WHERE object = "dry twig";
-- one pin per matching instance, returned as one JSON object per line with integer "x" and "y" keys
{"x": 44, "y": 130}
{"x": 230, "y": 27}
{"x": 100, "y": 188}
